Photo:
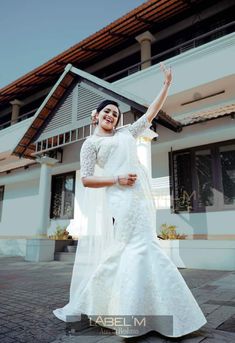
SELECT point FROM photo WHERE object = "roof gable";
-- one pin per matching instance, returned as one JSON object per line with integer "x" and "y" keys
{"x": 68, "y": 106}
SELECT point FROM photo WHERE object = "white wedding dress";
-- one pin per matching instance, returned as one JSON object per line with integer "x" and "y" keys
{"x": 132, "y": 275}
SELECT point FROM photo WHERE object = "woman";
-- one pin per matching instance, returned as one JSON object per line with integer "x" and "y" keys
{"x": 122, "y": 278}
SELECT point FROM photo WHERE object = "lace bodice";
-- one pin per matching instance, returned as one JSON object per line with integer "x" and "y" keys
{"x": 96, "y": 149}
{"x": 139, "y": 126}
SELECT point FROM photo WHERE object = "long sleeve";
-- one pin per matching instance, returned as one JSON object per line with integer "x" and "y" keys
{"x": 139, "y": 126}
{"x": 87, "y": 158}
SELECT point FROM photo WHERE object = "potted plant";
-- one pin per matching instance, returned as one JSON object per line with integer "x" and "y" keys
{"x": 173, "y": 243}
{"x": 62, "y": 238}
{"x": 169, "y": 232}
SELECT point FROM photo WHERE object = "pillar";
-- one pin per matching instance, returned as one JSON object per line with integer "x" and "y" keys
{"x": 44, "y": 193}
{"x": 16, "y": 104}
{"x": 144, "y": 149}
{"x": 145, "y": 39}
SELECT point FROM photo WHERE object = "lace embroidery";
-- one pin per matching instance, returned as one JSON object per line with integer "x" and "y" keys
{"x": 135, "y": 264}
{"x": 87, "y": 158}
{"x": 139, "y": 126}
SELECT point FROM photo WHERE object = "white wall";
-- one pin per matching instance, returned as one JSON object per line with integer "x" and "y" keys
{"x": 20, "y": 208}
{"x": 13, "y": 247}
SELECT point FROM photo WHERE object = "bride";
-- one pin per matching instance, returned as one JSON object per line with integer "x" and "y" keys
{"x": 122, "y": 279}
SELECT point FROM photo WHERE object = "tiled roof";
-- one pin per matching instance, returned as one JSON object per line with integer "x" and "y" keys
{"x": 118, "y": 32}
{"x": 211, "y": 113}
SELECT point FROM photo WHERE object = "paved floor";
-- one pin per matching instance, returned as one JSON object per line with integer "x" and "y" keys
{"x": 30, "y": 291}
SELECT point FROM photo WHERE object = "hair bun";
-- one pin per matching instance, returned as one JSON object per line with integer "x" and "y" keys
{"x": 93, "y": 118}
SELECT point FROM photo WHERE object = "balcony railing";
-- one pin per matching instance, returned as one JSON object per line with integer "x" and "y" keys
{"x": 176, "y": 50}
{"x": 19, "y": 119}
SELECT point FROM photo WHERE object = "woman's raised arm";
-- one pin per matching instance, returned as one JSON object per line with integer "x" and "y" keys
{"x": 158, "y": 102}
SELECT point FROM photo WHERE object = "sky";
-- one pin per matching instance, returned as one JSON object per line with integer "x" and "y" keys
{"x": 34, "y": 31}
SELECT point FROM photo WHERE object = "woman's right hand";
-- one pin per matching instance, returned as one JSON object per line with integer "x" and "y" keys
{"x": 127, "y": 180}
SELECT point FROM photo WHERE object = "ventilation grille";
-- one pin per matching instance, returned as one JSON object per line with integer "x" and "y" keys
{"x": 74, "y": 110}
{"x": 87, "y": 101}
{"x": 62, "y": 115}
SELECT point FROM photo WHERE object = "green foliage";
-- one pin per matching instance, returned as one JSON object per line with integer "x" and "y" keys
{"x": 60, "y": 233}
{"x": 169, "y": 232}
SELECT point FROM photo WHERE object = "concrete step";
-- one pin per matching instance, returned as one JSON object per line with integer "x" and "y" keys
{"x": 64, "y": 256}
{"x": 70, "y": 248}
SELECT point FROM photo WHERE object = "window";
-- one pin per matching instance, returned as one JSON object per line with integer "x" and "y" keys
{"x": 183, "y": 191}
{"x": 203, "y": 178}
{"x": 227, "y": 165}
{"x": 1, "y": 200}
{"x": 62, "y": 196}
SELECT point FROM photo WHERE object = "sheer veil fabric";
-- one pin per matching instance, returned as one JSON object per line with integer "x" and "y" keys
{"x": 95, "y": 237}
{"x": 122, "y": 269}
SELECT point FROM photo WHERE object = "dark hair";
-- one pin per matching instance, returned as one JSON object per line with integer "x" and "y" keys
{"x": 109, "y": 102}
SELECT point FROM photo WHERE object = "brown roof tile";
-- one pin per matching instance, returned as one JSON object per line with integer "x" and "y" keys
{"x": 211, "y": 113}
{"x": 128, "y": 26}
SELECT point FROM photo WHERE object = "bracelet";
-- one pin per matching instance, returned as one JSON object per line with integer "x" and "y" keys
{"x": 168, "y": 83}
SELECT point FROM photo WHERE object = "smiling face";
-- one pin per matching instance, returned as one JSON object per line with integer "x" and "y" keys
{"x": 108, "y": 117}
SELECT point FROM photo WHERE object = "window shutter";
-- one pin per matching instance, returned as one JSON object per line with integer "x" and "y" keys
{"x": 63, "y": 113}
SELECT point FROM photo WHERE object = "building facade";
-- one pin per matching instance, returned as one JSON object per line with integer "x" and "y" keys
{"x": 45, "y": 117}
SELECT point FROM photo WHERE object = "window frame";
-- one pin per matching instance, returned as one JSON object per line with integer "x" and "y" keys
{"x": 216, "y": 177}
{"x": 2, "y": 187}
{"x": 53, "y": 182}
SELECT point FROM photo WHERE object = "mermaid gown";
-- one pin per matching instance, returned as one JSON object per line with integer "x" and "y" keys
{"x": 133, "y": 277}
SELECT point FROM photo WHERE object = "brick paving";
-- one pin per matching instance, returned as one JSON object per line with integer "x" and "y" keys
{"x": 30, "y": 291}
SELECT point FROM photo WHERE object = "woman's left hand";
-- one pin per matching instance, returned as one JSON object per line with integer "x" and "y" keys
{"x": 167, "y": 72}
